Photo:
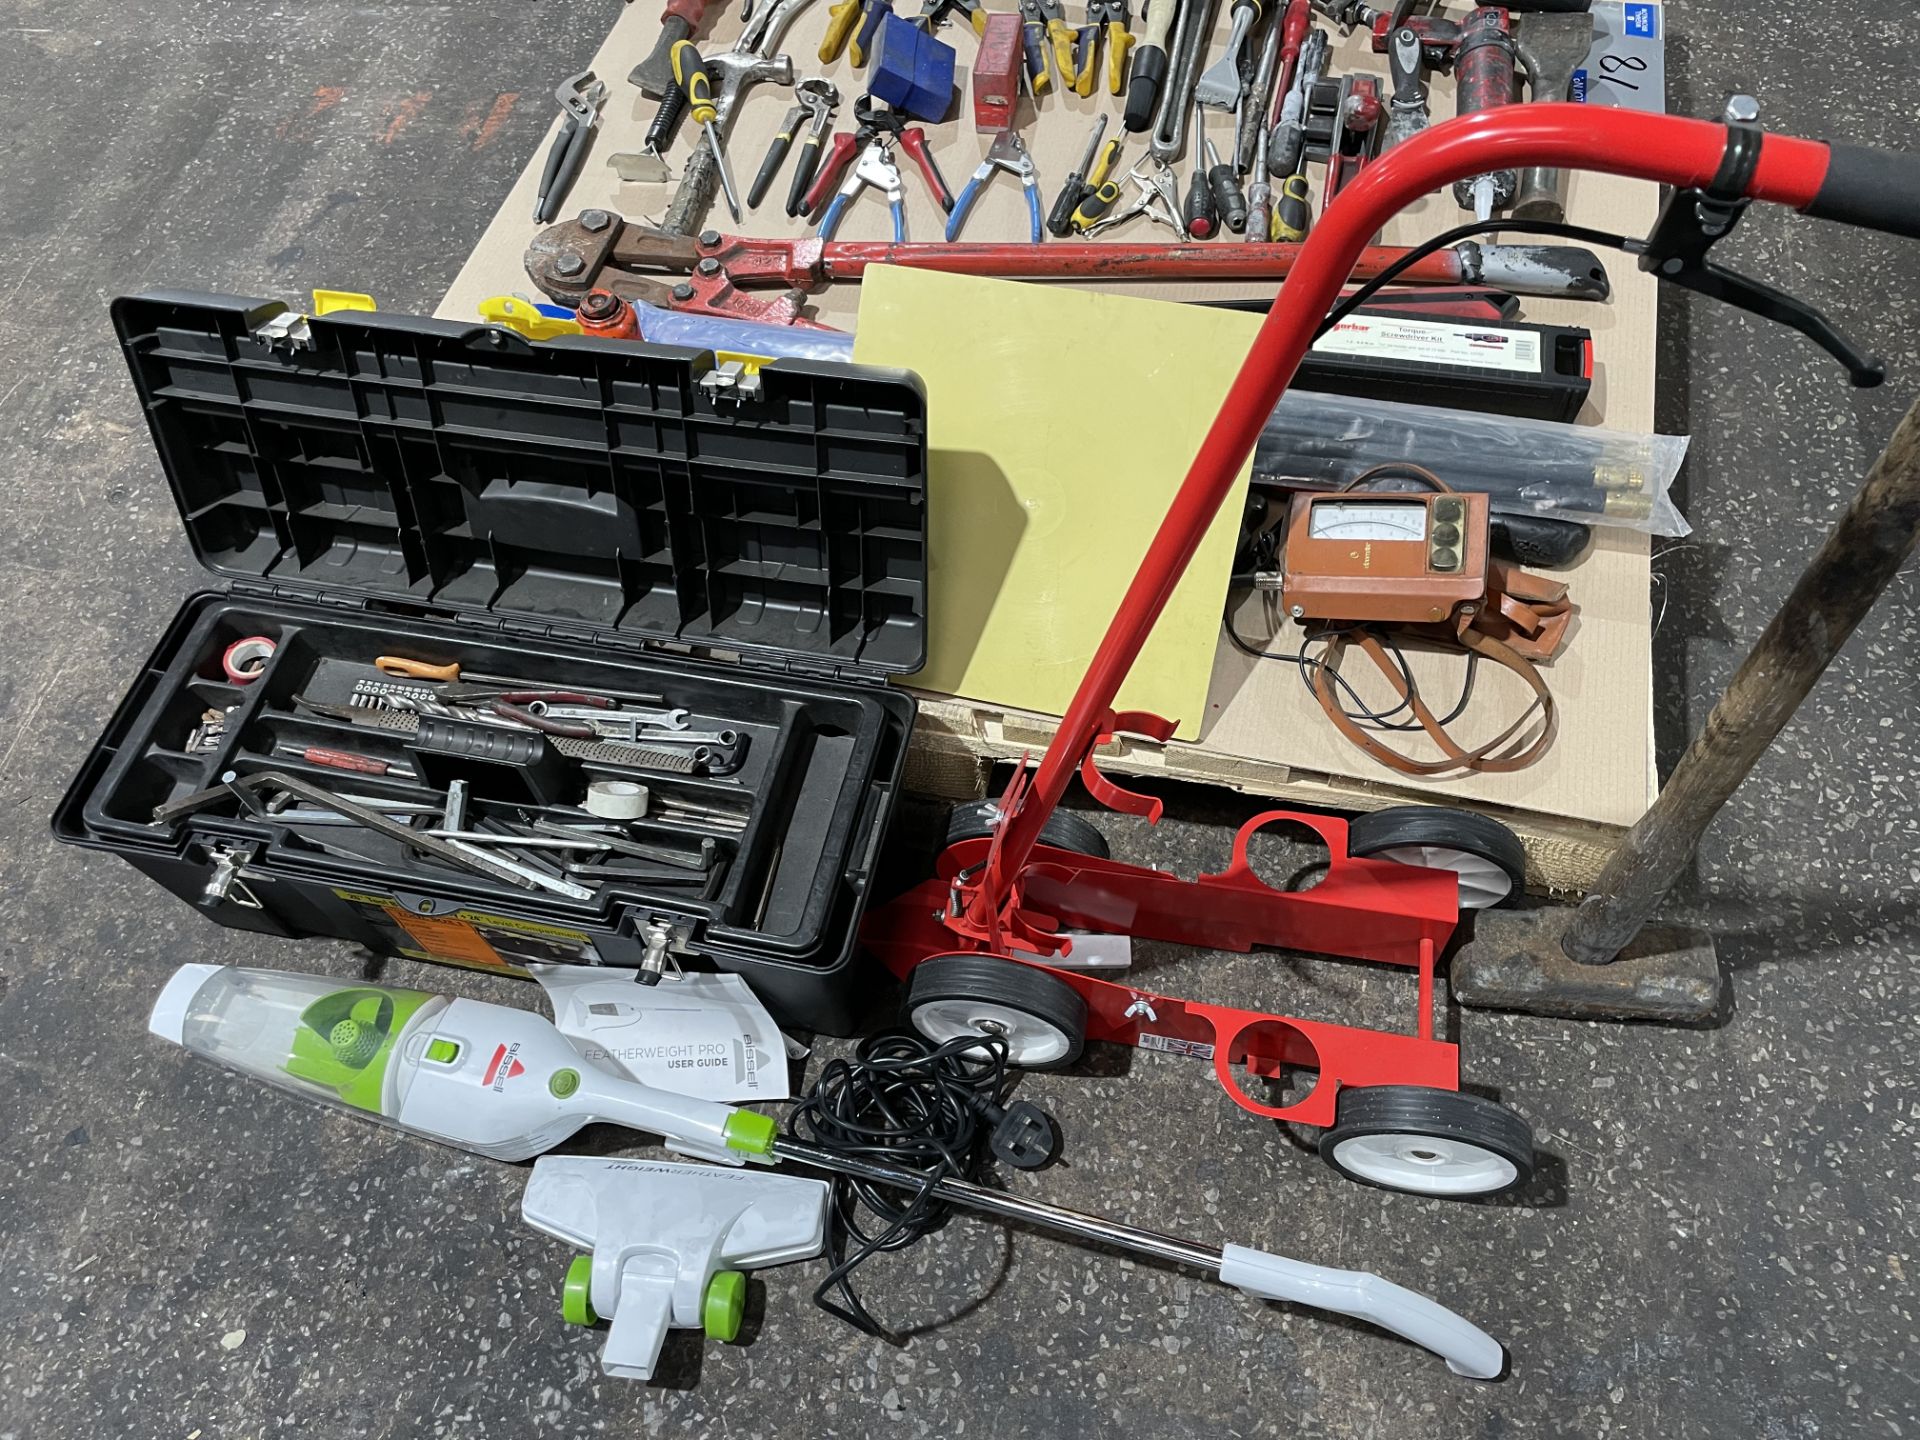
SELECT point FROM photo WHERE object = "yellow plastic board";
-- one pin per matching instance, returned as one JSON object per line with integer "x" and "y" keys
{"x": 1060, "y": 424}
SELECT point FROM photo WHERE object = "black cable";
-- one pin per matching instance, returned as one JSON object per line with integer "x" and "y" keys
{"x": 1365, "y": 715}
{"x": 1557, "y": 228}
{"x": 904, "y": 1100}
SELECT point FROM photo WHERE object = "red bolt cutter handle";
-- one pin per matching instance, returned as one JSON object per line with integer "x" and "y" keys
{"x": 833, "y": 165}
{"x": 1861, "y": 187}
{"x": 913, "y": 140}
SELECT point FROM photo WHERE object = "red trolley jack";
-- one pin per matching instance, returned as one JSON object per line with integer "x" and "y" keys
{"x": 973, "y": 942}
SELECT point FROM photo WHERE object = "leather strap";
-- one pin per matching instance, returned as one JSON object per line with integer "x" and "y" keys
{"x": 1511, "y": 749}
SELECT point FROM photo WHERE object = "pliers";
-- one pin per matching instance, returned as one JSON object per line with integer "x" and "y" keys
{"x": 875, "y": 167}
{"x": 852, "y": 26}
{"x": 1010, "y": 154}
{"x": 874, "y": 124}
{"x": 1112, "y": 16}
{"x": 933, "y": 13}
{"x": 1159, "y": 201}
{"x": 1043, "y": 21}
{"x": 580, "y": 97}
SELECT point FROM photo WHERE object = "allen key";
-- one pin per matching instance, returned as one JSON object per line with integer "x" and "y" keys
{"x": 231, "y": 786}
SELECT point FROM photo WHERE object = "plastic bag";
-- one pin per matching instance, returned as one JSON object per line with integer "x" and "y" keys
{"x": 1565, "y": 472}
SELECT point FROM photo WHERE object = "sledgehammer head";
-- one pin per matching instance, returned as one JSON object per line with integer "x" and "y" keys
{"x": 668, "y": 1244}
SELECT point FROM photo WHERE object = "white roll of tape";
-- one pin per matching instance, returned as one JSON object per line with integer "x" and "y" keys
{"x": 617, "y": 799}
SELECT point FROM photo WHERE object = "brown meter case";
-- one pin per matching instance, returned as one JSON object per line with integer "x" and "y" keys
{"x": 1394, "y": 582}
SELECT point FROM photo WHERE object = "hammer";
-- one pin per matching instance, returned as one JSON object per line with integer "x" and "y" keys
{"x": 1550, "y": 48}
{"x": 732, "y": 71}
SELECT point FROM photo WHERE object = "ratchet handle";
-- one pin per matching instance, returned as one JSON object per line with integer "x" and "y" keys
{"x": 1874, "y": 189}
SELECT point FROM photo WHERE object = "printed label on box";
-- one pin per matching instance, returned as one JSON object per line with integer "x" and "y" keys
{"x": 1388, "y": 337}
{"x": 694, "y": 1034}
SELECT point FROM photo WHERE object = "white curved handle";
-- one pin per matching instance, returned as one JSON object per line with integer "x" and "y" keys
{"x": 1467, "y": 1349}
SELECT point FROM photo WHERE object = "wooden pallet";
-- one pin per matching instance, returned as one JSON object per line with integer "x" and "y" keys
{"x": 956, "y": 745}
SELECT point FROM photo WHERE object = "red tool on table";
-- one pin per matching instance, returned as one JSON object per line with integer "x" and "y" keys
{"x": 975, "y": 940}
{"x": 713, "y": 272}
{"x": 873, "y": 125}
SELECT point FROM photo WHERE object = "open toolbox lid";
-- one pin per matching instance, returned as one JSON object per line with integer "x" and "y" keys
{"x": 575, "y": 485}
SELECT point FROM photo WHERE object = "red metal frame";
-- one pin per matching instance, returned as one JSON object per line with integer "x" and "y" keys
{"x": 1009, "y": 895}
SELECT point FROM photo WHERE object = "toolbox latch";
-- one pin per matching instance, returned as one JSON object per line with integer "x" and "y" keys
{"x": 288, "y": 331}
{"x": 224, "y": 882}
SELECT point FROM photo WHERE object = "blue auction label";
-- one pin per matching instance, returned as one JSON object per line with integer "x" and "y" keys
{"x": 1642, "y": 20}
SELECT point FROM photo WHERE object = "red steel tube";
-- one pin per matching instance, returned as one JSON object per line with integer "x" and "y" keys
{"x": 849, "y": 259}
{"x": 1667, "y": 149}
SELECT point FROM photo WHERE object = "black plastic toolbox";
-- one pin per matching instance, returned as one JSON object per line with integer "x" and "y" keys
{"x": 579, "y": 514}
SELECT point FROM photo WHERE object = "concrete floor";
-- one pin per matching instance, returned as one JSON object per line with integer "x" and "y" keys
{"x": 1731, "y": 1248}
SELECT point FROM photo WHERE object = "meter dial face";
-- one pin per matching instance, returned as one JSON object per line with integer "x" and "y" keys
{"x": 1367, "y": 520}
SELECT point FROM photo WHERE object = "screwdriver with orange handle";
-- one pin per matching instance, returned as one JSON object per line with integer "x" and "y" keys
{"x": 401, "y": 667}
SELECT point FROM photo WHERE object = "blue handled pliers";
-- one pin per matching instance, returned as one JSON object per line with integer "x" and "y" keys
{"x": 875, "y": 167}
{"x": 1009, "y": 154}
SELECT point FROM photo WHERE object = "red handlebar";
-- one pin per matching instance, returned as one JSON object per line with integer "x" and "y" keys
{"x": 1664, "y": 148}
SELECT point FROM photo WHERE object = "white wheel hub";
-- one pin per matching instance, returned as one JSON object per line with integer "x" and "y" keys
{"x": 1425, "y": 1164}
{"x": 1482, "y": 883}
{"x": 1031, "y": 1041}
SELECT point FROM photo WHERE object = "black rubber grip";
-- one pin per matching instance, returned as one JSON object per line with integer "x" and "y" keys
{"x": 1060, "y": 218}
{"x": 1877, "y": 189}
{"x": 1143, "y": 89}
{"x": 769, "y": 167}
{"x": 1538, "y": 539}
{"x": 666, "y": 120}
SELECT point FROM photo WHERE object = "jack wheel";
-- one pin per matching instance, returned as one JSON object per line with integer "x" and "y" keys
{"x": 1043, "y": 1020}
{"x": 1428, "y": 1142}
{"x": 1487, "y": 857}
{"x": 1064, "y": 830}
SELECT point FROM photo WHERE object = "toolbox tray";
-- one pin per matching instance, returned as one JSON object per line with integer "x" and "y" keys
{"x": 581, "y": 513}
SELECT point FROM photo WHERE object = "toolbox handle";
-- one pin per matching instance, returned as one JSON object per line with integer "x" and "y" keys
{"x": 497, "y": 338}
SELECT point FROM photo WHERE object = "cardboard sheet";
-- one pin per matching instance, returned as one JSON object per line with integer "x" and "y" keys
{"x": 1601, "y": 768}
{"x": 1047, "y": 480}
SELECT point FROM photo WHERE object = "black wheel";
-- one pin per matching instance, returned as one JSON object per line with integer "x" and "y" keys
{"x": 1427, "y": 1141}
{"x": 1043, "y": 1020}
{"x": 1486, "y": 856}
{"x": 1064, "y": 830}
